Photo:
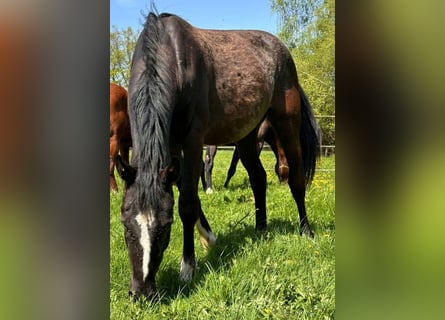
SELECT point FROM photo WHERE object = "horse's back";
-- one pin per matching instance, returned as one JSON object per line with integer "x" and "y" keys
{"x": 245, "y": 65}
{"x": 245, "y": 60}
{"x": 226, "y": 78}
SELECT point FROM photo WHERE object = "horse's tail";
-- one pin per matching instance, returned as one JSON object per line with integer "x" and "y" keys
{"x": 310, "y": 137}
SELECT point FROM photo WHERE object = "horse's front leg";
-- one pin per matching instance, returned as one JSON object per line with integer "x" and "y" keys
{"x": 190, "y": 209}
{"x": 187, "y": 211}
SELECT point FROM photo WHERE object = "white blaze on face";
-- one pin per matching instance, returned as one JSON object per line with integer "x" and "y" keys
{"x": 144, "y": 221}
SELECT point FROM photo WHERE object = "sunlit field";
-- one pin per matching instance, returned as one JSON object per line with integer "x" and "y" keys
{"x": 276, "y": 275}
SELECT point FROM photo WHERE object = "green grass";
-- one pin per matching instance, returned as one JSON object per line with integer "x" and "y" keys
{"x": 277, "y": 275}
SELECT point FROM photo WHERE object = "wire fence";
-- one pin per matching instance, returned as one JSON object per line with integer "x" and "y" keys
{"x": 326, "y": 149}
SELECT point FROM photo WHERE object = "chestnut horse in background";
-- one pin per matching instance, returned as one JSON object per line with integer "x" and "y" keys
{"x": 120, "y": 134}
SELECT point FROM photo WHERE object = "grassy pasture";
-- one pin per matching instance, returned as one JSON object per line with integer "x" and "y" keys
{"x": 277, "y": 275}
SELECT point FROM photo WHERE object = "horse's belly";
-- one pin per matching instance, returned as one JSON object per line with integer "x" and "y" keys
{"x": 232, "y": 127}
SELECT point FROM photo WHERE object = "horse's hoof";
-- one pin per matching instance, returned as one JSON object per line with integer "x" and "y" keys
{"x": 306, "y": 230}
{"x": 134, "y": 296}
{"x": 187, "y": 270}
{"x": 261, "y": 228}
{"x": 208, "y": 243}
{"x": 150, "y": 294}
{"x": 208, "y": 239}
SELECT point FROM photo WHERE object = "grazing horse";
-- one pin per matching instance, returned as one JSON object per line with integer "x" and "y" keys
{"x": 265, "y": 134}
{"x": 120, "y": 134}
{"x": 190, "y": 87}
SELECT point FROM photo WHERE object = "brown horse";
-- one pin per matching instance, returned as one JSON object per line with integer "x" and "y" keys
{"x": 120, "y": 134}
{"x": 190, "y": 87}
{"x": 265, "y": 134}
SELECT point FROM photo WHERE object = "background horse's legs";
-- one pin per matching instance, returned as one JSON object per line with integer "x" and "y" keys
{"x": 232, "y": 168}
{"x": 247, "y": 150}
{"x": 235, "y": 158}
{"x": 113, "y": 153}
{"x": 208, "y": 167}
{"x": 190, "y": 209}
{"x": 203, "y": 176}
{"x": 287, "y": 128}
{"x": 124, "y": 149}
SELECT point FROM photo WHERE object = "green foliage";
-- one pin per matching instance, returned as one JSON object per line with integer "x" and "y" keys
{"x": 277, "y": 275}
{"x": 308, "y": 28}
{"x": 294, "y": 18}
{"x": 122, "y": 43}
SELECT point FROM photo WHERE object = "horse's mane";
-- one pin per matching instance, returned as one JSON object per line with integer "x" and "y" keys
{"x": 150, "y": 110}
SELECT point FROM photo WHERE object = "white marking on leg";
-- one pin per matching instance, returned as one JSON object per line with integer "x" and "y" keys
{"x": 208, "y": 239}
{"x": 143, "y": 220}
{"x": 209, "y": 190}
{"x": 187, "y": 270}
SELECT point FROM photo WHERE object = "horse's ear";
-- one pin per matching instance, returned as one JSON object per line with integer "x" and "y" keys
{"x": 126, "y": 172}
{"x": 171, "y": 173}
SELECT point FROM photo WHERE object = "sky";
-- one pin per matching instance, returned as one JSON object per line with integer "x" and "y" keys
{"x": 208, "y": 14}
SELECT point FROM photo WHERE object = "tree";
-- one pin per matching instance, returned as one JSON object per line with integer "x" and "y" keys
{"x": 122, "y": 43}
{"x": 294, "y": 16}
{"x": 308, "y": 29}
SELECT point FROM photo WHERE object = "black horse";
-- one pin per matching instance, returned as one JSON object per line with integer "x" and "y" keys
{"x": 265, "y": 134}
{"x": 190, "y": 87}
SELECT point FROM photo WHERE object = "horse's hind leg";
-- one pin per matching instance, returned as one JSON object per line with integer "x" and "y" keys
{"x": 247, "y": 150}
{"x": 287, "y": 126}
{"x": 232, "y": 168}
{"x": 281, "y": 166}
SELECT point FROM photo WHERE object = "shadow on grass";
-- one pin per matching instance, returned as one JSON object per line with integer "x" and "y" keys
{"x": 236, "y": 184}
{"x": 245, "y": 184}
{"x": 220, "y": 257}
